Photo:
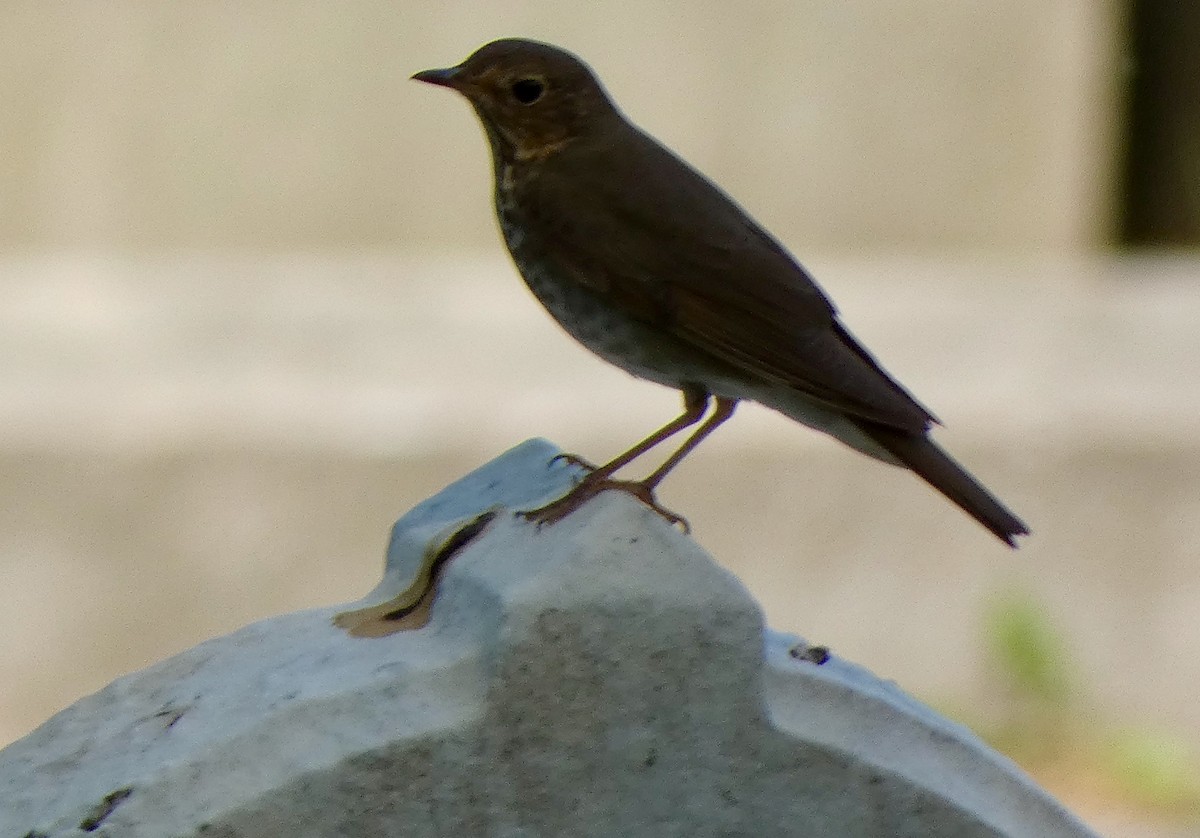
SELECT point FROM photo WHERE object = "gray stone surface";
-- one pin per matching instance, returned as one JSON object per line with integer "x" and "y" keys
{"x": 599, "y": 677}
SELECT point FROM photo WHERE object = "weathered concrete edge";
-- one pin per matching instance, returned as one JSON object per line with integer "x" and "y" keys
{"x": 844, "y": 706}
{"x": 837, "y": 705}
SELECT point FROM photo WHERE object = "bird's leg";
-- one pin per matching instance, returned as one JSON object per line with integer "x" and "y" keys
{"x": 600, "y": 480}
{"x": 695, "y": 403}
{"x": 724, "y": 409}
{"x": 643, "y": 490}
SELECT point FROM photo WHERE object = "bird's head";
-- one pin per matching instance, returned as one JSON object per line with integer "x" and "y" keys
{"x": 532, "y": 98}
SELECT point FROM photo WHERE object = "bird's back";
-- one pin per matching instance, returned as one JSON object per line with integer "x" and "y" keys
{"x": 620, "y": 215}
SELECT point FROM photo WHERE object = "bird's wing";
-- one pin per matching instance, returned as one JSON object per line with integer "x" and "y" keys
{"x": 662, "y": 243}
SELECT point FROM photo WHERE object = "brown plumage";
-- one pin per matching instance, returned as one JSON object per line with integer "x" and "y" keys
{"x": 652, "y": 267}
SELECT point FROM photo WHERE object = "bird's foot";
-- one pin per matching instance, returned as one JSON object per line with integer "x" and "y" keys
{"x": 587, "y": 489}
{"x": 574, "y": 460}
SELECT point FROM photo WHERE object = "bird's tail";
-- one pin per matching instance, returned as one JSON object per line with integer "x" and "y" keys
{"x": 937, "y": 468}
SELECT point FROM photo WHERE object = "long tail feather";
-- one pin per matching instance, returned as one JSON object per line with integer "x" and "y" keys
{"x": 938, "y": 469}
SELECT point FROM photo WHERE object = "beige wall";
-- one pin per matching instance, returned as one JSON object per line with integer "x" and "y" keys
{"x": 842, "y": 124}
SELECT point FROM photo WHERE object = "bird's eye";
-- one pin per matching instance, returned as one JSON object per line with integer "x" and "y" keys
{"x": 528, "y": 91}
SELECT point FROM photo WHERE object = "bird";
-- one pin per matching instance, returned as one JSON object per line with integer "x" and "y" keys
{"x": 655, "y": 269}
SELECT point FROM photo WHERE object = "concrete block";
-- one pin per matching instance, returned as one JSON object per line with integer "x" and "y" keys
{"x": 599, "y": 677}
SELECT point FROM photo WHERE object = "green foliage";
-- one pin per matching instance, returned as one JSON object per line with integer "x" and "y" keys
{"x": 1154, "y": 768}
{"x": 1029, "y": 653}
{"x": 1041, "y": 719}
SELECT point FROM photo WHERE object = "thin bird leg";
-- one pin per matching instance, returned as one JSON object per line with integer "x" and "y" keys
{"x": 643, "y": 490}
{"x": 724, "y": 409}
{"x": 695, "y": 403}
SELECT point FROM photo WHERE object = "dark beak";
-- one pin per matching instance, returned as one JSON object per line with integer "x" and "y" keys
{"x": 442, "y": 78}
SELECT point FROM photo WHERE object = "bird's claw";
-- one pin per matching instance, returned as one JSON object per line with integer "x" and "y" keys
{"x": 574, "y": 460}
{"x": 646, "y": 495}
{"x": 587, "y": 489}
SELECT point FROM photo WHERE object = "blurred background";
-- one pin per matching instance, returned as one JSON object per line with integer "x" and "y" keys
{"x": 253, "y": 306}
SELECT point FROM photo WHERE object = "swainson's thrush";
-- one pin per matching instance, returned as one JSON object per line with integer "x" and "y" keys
{"x": 651, "y": 266}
